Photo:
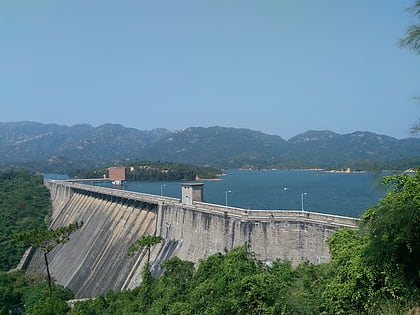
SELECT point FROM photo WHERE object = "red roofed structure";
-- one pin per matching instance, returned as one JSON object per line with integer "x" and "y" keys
{"x": 117, "y": 173}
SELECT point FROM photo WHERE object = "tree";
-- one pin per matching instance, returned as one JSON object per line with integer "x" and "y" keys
{"x": 24, "y": 204}
{"x": 47, "y": 240}
{"x": 223, "y": 284}
{"x": 412, "y": 41}
{"x": 26, "y": 291}
{"x": 171, "y": 290}
{"x": 9, "y": 296}
{"x": 376, "y": 269}
{"x": 412, "y": 37}
{"x": 393, "y": 227}
{"x": 145, "y": 242}
{"x": 309, "y": 282}
{"x": 49, "y": 305}
{"x": 349, "y": 289}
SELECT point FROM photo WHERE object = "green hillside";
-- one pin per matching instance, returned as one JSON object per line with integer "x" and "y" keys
{"x": 24, "y": 205}
{"x": 155, "y": 171}
{"x": 60, "y": 149}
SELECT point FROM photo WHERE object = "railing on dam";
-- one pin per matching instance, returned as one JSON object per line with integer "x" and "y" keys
{"x": 282, "y": 215}
{"x": 124, "y": 194}
{"x": 232, "y": 212}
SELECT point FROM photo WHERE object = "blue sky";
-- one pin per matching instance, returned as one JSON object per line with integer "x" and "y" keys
{"x": 281, "y": 67}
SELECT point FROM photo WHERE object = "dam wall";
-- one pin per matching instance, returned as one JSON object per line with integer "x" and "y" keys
{"x": 95, "y": 259}
{"x": 205, "y": 229}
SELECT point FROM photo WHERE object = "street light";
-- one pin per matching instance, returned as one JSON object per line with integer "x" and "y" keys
{"x": 161, "y": 189}
{"x": 226, "y": 193}
{"x": 301, "y": 197}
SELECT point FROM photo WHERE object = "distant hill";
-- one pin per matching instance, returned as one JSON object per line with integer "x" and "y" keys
{"x": 327, "y": 147}
{"x": 23, "y": 141}
{"x": 84, "y": 146}
{"x": 227, "y": 147}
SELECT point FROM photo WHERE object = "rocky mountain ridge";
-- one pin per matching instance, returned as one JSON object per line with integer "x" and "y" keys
{"x": 217, "y": 146}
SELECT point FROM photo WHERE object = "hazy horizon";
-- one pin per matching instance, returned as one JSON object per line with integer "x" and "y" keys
{"x": 279, "y": 67}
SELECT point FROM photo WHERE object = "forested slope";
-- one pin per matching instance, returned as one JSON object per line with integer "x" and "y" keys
{"x": 24, "y": 205}
{"x": 59, "y": 149}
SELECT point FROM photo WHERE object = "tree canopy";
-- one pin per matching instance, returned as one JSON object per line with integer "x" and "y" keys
{"x": 47, "y": 240}
{"x": 393, "y": 230}
{"x": 24, "y": 205}
{"x": 156, "y": 171}
{"x": 411, "y": 39}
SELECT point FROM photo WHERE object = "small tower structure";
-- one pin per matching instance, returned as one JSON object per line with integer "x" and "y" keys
{"x": 192, "y": 192}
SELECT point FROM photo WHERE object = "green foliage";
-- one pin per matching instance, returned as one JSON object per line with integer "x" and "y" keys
{"x": 226, "y": 284}
{"x": 156, "y": 171}
{"x": 159, "y": 171}
{"x": 172, "y": 286}
{"x": 47, "y": 239}
{"x": 36, "y": 289}
{"x": 38, "y": 300}
{"x": 29, "y": 291}
{"x": 350, "y": 289}
{"x": 393, "y": 231}
{"x": 308, "y": 282}
{"x": 177, "y": 275}
{"x": 412, "y": 38}
{"x": 24, "y": 204}
{"x": 146, "y": 242}
{"x": 231, "y": 283}
{"x": 237, "y": 283}
{"x": 50, "y": 305}
{"x": 166, "y": 171}
{"x": 93, "y": 307}
{"x": 9, "y": 294}
{"x": 378, "y": 267}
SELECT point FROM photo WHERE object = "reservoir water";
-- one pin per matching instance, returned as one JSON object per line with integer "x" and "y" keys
{"x": 346, "y": 194}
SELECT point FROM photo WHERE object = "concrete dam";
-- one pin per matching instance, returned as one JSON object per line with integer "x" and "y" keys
{"x": 96, "y": 260}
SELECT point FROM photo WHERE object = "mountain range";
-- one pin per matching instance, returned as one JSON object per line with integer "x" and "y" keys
{"x": 28, "y": 142}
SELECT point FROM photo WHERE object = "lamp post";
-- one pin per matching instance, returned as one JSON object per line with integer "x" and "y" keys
{"x": 161, "y": 189}
{"x": 301, "y": 197}
{"x": 226, "y": 193}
